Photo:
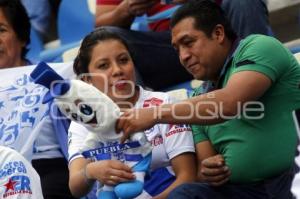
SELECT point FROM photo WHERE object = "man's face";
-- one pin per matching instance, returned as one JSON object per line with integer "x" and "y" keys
{"x": 202, "y": 56}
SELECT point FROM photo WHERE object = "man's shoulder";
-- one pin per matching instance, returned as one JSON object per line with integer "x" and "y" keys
{"x": 259, "y": 41}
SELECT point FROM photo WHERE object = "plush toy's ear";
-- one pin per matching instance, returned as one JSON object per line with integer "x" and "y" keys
{"x": 43, "y": 74}
{"x": 58, "y": 89}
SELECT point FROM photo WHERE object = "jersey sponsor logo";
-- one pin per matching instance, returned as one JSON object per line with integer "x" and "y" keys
{"x": 18, "y": 184}
{"x": 152, "y": 102}
{"x": 157, "y": 140}
{"x": 11, "y": 168}
{"x": 15, "y": 184}
{"x": 177, "y": 128}
{"x": 149, "y": 130}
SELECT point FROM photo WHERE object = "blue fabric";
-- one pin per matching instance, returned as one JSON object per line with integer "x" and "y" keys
{"x": 166, "y": 14}
{"x": 129, "y": 190}
{"x": 111, "y": 149}
{"x": 44, "y": 75}
{"x": 161, "y": 175}
{"x": 39, "y": 13}
{"x": 73, "y": 14}
{"x": 275, "y": 188}
{"x": 35, "y": 47}
{"x": 143, "y": 165}
{"x": 61, "y": 127}
{"x": 247, "y": 16}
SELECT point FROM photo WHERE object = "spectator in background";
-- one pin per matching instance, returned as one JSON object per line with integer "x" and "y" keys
{"x": 39, "y": 13}
{"x": 14, "y": 34}
{"x": 153, "y": 54}
{"x": 243, "y": 125}
{"x": 18, "y": 178}
{"x": 48, "y": 158}
{"x": 105, "y": 56}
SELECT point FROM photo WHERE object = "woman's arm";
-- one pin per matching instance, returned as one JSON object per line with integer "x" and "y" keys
{"x": 79, "y": 184}
{"x": 83, "y": 174}
{"x": 184, "y": 166}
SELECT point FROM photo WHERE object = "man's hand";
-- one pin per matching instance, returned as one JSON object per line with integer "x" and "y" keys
{"x": 135, "y": 120}
{"x": 139, "y": 7}
{"x": 214, "y": 171}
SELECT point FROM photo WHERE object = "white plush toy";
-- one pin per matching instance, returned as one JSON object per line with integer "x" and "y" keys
{"x": 83, "y": 103}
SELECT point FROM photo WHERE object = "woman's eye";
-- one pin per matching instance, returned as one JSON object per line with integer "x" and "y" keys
{"x": 124, "y": 60}
{"x": 2, "y": 30}
{"x": 103, "y": 66}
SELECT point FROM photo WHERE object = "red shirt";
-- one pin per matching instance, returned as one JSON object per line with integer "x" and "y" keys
{"x": 161, "y": 25}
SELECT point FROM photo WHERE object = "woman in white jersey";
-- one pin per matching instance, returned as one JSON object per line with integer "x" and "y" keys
{"x": 106, "y": 58}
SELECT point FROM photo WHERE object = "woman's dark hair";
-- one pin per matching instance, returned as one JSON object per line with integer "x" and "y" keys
{"x": 83, "y": 57}
{"x": 207, "y": 15}
{"x": 17, "y": 17}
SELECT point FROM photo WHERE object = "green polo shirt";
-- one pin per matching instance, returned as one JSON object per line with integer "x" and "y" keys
{"x": 257, "y": 149}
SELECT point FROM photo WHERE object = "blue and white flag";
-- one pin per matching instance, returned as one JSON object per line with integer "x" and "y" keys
{"x": 22, "y": 113}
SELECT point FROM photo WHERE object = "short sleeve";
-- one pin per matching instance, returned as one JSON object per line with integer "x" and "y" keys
{"x": 76, "y": 136}
{"x": 262, "y": 54}
{"x": 198, "y": 133}
{"x": 178, "y": 138}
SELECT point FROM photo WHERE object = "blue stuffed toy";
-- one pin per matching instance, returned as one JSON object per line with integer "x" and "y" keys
{"x": 83, "y": 103}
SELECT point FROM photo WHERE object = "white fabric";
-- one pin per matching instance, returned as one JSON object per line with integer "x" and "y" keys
{"x": 18, "y": 179}
{"x": 167, "y": 140}
{"x": 46, "y": 144}
{"x": 22, "y": 115}
{"x": 296, "y": 182}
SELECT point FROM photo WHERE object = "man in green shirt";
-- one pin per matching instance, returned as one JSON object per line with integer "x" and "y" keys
{"x": 247, "y": 140}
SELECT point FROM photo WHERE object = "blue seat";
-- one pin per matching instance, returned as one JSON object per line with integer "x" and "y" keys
{"x": 141, "y": 23}
{"x": 35, "y": 47}
{"x": 76, "y": 18}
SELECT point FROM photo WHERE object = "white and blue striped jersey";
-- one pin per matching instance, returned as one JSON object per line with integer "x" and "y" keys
{"x": 167, "y": 140}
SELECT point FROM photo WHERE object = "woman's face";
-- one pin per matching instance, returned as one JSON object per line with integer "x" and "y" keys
{"x": 10, "y": 45}
{"x": 111, "y": 70}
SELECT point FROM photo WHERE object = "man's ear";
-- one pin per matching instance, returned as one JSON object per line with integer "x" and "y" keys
{"x": 219, "y": 33}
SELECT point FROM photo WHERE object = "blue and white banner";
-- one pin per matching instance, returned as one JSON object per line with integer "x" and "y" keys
{"x": 21, "y": 110}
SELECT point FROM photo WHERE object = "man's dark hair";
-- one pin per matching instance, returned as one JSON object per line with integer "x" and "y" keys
{"x": 83, "y": 57}
{"x": 207, "y": 15}
{"x": 17, "y": 17}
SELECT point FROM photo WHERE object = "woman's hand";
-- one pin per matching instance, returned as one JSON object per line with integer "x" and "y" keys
{"x": 109, "y": 172}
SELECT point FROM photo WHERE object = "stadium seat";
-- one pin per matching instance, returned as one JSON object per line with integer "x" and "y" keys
{"x": 76, "y": 18}
{"x": 35, "y": 47}
{"x": 141, "y": 23}
{"x": 297, "y": 56}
